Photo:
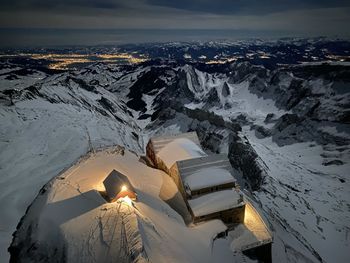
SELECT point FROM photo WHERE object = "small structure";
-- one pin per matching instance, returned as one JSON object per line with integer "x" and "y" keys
{"x": 227, "y": 205}
{"x": 163, "y": 151}
{"x": 209, "y": 188}
{"x": 202, "y": 175}
{"x": 253, "y": 236}
{"x": 118, "y": 186}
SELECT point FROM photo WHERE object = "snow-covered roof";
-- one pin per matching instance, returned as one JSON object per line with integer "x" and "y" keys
{"x": 179, "y": 149}
{"x": 202, "y": 172}
{"x": 207, "y": 177}
{"x": 161, "y": 141}
{"x": 215, "y": 202}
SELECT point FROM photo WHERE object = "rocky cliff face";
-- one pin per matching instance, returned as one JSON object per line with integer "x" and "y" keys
{"x": 244, "y": 158}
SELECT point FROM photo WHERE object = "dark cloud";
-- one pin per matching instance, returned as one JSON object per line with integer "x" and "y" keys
{"x": 243, "y": 7}
{"x": 248, "y": 7}
{"x": 52, "y": 4}
{"x": 285, "y": 17}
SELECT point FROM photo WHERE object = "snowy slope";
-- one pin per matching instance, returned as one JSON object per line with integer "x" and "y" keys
{"x": 39, "y": 139}
{"x": 16, "y": 77}
{"x": 294, "y": 123}
{"x": 309, "y": 199}
{"x": 88, "y": 229}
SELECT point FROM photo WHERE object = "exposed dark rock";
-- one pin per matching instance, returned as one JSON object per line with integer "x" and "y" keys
{"x": 94, "y": 82}
{"x": 211, "y": 117}
{"x": 11, "y": 77}
{"x": 298, "y": 92}
{"x": 144, "y": 116}
{"x": 227, "y": 106}
{"x": 135, "y": 135}
{"x": 258, "y": 85}
{"x": 82, "y": 84}
{"x": 210, "y": 141}
{"x": 241, "y": 119}
{"x": 285, "y": 120}
{"x": 225, "y": 90}
{"x": 145, "y": 84}
{"x": 308, "y": 107}
{"x": 105, "y": 103}
{"x": 325, "y": 70}
{"x": 243, "y": 157}
{"x": 181, "y": 90}
{"x": 261, "y": 132}
{"x": 290, "y": 187}
{"x": 269, "y": 118}
{"x": 242, "y": 70}
{"x": 333, "y": 162}
{"x": 326, "y": 137}
{"x": 345, "y": 116}
{"x": 193, "y": 77}
{"x": 212, "y": 99}
{"x": 9, "y": 95}
{"x": 101, "y": 111}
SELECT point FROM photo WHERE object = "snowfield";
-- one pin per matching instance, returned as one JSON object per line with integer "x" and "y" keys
{"x": 314, "y": 201}
{"x": 93, "y": 230}
{"x": 60, "y": 131}
{"x": 39, "y": 140}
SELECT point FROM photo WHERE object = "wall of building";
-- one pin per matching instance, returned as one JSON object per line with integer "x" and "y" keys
{"x": 231, "y": 216}
{"x": 211, "y": 189}
{"x": 175, "y": 175}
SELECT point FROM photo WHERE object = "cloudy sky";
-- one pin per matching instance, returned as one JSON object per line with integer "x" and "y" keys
{"x": 93, "y": 21}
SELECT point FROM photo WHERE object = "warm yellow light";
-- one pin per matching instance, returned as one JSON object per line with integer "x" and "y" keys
{"x": 100, "y": 187}
{"x": 124, "y": 188}
{"x": 126, "y": 200}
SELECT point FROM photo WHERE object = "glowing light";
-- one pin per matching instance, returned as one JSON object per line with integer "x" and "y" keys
{"x": 126, "y": 200}
{"x": 65, "y": 61}
{"x": 124, "y": 188}
{"x": 221, "y": 61}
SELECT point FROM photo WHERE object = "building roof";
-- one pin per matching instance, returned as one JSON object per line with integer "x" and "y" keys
{"x": 114, "y": 182}
{"x": 215, "y": 202}
{"x": 207, "y": 177}
{"x": 203, "y": 172}
{"x": 160, "y": 141}
{"x": 179, "y": 149}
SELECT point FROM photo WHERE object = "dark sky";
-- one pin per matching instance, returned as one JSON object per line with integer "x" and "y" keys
{"x": 90, "y": 21}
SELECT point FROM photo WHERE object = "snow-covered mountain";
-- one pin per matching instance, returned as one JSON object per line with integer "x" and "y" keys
{"x": 286, "y": 130}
